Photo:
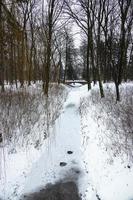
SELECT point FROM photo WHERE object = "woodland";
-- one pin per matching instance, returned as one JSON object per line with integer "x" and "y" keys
{"x": 37, "y": 42}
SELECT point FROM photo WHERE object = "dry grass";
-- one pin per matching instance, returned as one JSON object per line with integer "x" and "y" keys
{"x": 114, "y": 120}
{"x": 26, "y": 115}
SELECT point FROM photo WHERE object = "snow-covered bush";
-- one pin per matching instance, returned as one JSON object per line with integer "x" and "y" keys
{"x": 26, "y": 115}
{"x": 114, "y": 121}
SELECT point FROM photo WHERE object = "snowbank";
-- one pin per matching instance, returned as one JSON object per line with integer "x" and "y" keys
{"x": 26, "y": 119}
{"x": 107, "y": 128}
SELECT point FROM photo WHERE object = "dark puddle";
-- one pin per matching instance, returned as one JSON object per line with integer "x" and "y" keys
{"x": 64, "y": 189}
{"x": 58, "y": 191}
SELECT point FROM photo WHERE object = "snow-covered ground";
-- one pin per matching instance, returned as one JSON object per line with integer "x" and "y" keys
{"x": 26, "y": 117}
{"x": 86, "y": 144}
{"x": 106, "y": 128}
{"x": 64, "y": 138}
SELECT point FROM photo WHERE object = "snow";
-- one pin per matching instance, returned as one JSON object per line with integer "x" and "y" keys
{"x": 110, "y": 168}
{"x": 85, "y": 127}
{"x": 27, "y": 142}
{"x": 64, "y": 137}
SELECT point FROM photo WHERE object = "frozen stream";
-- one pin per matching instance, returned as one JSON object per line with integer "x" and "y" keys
{"x": 61, "y": 158}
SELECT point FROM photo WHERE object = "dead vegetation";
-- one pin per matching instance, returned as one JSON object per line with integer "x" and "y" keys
{"x": 26, "y": 114}
{"x": 114, "y": 120}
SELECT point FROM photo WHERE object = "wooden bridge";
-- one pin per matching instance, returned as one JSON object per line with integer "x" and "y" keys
{"x": 73, "y": 82}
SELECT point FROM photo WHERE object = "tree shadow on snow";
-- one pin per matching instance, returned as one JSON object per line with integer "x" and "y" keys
{"x": 65, "y": 189}
{"x": 58, "y": 191}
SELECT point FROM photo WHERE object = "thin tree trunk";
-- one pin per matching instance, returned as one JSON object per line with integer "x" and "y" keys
{"x": 88, "y": 46}
{"x": 49, "y": 40}
{"x": 1, "y": 50}
{"x": 117, "y": 91}
{"x": 47, "y": 69}
{"x": 98, "y": 66}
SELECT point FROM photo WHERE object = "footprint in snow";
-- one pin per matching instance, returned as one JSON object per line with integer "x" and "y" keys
{"x": 69, "y": 152}
{"x": 62, "y": 164}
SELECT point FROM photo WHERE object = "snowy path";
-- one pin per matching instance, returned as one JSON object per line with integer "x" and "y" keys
{"x": 89, "y": 164}
{"x": 65, "y": 137}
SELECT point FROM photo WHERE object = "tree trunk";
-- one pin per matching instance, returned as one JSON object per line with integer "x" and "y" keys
{"x": 117, "y": 91}
{"x": 98, "y": 66}
{"x": 88, "y": 55}
{"x": 47, "y": 68}
{"x": 1, "y": 50}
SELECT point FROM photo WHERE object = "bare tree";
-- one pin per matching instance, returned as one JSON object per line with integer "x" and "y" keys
{"x": 53, "y": 12}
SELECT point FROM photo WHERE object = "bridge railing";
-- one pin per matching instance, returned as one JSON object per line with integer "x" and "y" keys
{"x": 76, "y": 81}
